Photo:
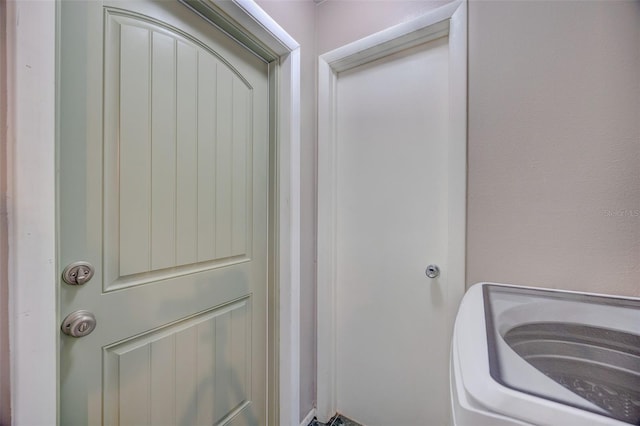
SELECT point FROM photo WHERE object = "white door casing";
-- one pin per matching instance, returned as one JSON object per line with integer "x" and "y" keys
{"x": 449, "y": 22}
{"x": 31, "y": 141}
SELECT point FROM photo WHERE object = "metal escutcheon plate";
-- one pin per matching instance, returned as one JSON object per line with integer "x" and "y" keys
{"x": 432, "y": 271}
{"x": 78, "y": 273}
{"x": 79, "y": 324}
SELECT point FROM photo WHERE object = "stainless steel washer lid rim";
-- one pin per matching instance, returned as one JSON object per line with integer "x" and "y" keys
{"x": 589, "y": 344}
{"x": 471, "y": 348}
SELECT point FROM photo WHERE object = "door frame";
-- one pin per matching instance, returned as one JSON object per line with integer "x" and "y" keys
{"x": 31, "y": 136}
{"x": 451, "y": 20}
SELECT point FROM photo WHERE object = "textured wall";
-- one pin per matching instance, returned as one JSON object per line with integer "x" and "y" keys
{"x": 318, "y": 29}
{"x": 554, "y": 144}
{"x": 554, "y": 140}
{"x": 341, "y": 22}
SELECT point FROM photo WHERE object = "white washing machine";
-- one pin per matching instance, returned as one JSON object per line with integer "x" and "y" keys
{"x": 528, "y": 356}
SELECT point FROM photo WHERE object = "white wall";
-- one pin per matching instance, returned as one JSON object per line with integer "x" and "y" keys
{"x": 554, "y": 144}
{"x": 318, "y": 29}
{"x": 341, "y": 22}
{"x": 554, "y": 139}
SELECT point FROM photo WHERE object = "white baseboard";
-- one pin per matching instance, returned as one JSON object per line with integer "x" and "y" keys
{"x": 308, "y": 418}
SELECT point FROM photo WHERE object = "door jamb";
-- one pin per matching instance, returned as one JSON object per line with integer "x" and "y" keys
{"x": 30, "y": 135}
{"x": 450, "y": 20}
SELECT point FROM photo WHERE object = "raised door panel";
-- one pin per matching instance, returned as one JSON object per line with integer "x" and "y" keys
{"x": 195, "y": 371}
{"x": 177, "y": 147}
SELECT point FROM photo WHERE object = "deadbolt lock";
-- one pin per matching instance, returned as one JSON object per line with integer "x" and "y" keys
{"x": 78, "y": 273}
{"x": 79, "y": 324}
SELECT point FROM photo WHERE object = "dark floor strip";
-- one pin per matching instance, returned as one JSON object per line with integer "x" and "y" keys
{"x": 337, "y": 420}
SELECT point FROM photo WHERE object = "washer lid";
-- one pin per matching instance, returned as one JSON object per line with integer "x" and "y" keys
{"x": 588, "y": 344}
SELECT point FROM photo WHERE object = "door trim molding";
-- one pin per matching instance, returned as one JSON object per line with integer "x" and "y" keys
{"x": 32, "y": 274}
{"x": 450, "y": 20}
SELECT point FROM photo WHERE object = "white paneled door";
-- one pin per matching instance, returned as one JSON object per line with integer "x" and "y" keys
{"x": 163, "y": 189}
{"x": 392, "y": 321}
